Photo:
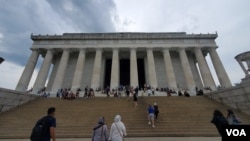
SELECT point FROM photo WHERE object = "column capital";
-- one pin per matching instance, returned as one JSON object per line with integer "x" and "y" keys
{"x": 66, "y": 50}
{"x": 196, "y": 49}
{"x": 132, "y": 48}
{"x": 165, "y": 48}
{"x": 52, "y": 50}
{"x": 150, "y": 48}
{"x": 99, "y": 49}
{"x": 115, "y": 49}
{"x": 82, "y": 49}
{"x": 181, "y": 49}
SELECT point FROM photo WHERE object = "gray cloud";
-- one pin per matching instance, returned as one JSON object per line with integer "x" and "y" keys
{"x": 88, "y": 16}
{"x": 21, "y": 18}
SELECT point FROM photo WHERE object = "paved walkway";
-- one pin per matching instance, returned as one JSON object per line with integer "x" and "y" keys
{"x": 138, "y": 139}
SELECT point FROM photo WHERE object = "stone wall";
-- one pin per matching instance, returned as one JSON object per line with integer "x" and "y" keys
{"x": 10, "y": 99}
{"x": 237, "y": 97}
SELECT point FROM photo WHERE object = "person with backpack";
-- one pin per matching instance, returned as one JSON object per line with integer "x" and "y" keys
{"x": 44, "y": 130}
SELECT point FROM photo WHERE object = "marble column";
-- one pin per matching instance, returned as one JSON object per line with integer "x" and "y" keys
{"x": 61, "y": 71}
{"x": 151, "y": 68}
{"x": 43, "y": 72}
{"x": 114, "y": 80}
{"x": 219, "y": 69}
{"x": 133, "y": 68}
{"x": 77, "y": 79}
{"x": 96, "y": 77}
{"x": 24, "y": 80}
{"x": 189, "y": 78}
{"x": 169, "y": 69}
{"x": 204, "y": 70}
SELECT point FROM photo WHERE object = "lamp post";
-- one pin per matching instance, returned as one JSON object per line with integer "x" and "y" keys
{"x": 1, "y": 60}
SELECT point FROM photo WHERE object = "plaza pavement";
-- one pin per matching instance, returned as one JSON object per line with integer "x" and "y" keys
{"x": 138, "y": 139}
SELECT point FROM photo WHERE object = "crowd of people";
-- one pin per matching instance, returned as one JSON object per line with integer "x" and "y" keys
{"x": 67, "y": 94}
{"x": 127, "y": 91}
{"x": 117, "y": 130}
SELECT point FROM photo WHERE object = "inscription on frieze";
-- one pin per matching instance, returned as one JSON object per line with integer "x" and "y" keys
{"x": 90, "y": 42}
{"x": 66, "y": 42}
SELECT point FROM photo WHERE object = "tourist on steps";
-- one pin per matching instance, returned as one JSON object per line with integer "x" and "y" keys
{"x": 117, "y": 130}
{"x": 232, "y": 118}
{"x": 156, "y": 108}
{"x": 107, "y": 91}
{"x": 48, "y": 124}
{"x": 135, "y": 99}
{"x": 151, "y": 116}
{"x": 219, "y": 121}
{"x": 100, "y": 131}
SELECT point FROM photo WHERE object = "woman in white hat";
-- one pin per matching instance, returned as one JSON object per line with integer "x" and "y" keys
{"x": 118, "y": 130}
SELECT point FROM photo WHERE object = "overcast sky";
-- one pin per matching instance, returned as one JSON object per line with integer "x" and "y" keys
{"x": 20, "y": 18}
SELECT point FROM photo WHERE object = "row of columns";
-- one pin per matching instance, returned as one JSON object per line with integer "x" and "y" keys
{"x": 96, "y": 78}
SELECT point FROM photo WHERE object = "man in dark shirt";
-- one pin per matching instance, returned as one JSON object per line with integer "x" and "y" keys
{"x": 156, "y": 111}
{"x": 50, "y": 132}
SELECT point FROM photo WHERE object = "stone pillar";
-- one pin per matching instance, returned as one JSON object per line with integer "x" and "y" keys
{"x": 61, "y": 71}
{"x": 133, "y": 68}
{"x": 114, "y": 80}
{"x": 190, "y": 83}
{"x": 77, "y": 79}
{"x": 96, "y": 78}
{"x": 219, "y": 69}
{"x": 151, "y": 68}
{"x": 24, "y": 80}
{"x": 169, "y": 69}
{"x": 204, "y": 70}
{"x": 43, "y": 72}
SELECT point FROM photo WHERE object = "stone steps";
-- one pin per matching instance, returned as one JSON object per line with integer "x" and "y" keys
{"x": 179, "y": 116}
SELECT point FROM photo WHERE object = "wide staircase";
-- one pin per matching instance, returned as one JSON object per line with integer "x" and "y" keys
{"x": 179, "y": 116}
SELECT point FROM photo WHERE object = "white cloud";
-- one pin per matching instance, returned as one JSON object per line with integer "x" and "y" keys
{"x": 229, "y": 18}
{"x": 10, "y": 74}
{"x": 1, "y": 36}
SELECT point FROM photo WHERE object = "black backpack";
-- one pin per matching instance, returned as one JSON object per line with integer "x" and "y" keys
{"x": 40, "y": 129}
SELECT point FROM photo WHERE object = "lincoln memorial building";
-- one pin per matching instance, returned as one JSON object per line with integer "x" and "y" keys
{"x": 169, "y": 59}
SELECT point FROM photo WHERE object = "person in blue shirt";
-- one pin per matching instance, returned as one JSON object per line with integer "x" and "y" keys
{"x": 151, "y": 115}
{"x": 50, "y": 132}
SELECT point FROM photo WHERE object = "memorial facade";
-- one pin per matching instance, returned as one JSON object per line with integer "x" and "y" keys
{"x": 175, "y": 60}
